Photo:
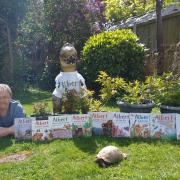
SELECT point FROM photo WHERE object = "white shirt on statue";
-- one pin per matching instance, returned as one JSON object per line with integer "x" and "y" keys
{"x": 68, "y": 81}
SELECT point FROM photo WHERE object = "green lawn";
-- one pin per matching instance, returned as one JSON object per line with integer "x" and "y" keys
{"x": 74, "y": 159}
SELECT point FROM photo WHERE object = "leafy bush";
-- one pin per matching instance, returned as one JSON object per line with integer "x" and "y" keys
{"x": 165, "y": 89}
{"x": 135, "y": 92}
{"x": 41, "y": 109}
{"x": 83, "y": 102}
{"x": 117, "y": 52}
{"x": 118, "y": 9}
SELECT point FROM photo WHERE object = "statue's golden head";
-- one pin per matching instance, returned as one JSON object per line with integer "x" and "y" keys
{"x": 68, "y": 58}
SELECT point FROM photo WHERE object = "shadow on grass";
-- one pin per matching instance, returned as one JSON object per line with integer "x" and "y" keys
{"x": 32, "y": 96}
{"x": 90, "y": 145}
{"x": 6, "y": 142}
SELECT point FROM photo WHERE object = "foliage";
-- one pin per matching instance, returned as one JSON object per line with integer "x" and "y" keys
{"x": 71, "y": 102}
{"x": 165, "y": 89}
{"x": 135, "y": 92}
{"x": 69, "y": 21}
{"x": 117, "y": 10}
{"x": 74, "y": 103}
{"x": 90, "y": 102}
{"x": 66, "y": 21}
{"x": 116, "y": 52}
{"x": 11, "y": 14}
{"x": 120, "y": 9}
{"x": 41, "y": 109}
{"x": 32, "y": 41}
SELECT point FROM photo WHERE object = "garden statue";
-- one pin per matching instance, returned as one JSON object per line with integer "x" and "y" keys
{"x": 69, "y": 83}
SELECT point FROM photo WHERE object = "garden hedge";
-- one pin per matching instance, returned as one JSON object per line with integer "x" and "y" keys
{"x": 116, "y": 52}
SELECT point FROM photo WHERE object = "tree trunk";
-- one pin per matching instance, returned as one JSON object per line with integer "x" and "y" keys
{"x": 11, "y": 69}
{"x": 159, "y": 34}
{"x": 10, "y": 49}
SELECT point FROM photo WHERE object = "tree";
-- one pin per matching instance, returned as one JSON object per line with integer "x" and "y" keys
{"x": 68, "y": 21}
{"x": 32, "y": 41}
{"x": 11, "y": 14}
{"x": 159, "y": 34}
{"x": 121, "y": 9}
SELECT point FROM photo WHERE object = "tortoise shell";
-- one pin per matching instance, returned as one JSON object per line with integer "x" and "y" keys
{"x": 109, "y": 155}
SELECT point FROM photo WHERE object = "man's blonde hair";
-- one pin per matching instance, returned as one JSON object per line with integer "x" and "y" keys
{"x": 5, "y": 87}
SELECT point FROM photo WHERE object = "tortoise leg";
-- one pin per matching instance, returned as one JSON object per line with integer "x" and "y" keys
{"x": 101, "y": 163}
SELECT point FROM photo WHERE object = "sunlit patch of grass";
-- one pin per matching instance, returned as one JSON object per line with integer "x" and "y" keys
{"x": 74, "y": 159}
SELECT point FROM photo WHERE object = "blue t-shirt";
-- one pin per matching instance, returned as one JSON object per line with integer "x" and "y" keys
{"x": 15, "y": 111}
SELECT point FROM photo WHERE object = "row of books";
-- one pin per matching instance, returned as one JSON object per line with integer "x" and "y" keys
{"x": 115, "y": 124}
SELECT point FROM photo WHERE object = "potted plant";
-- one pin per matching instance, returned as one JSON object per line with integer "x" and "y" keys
{"x": 166, "y": 92}
{"x": 71, "y": 102}
{"x": 136, "y": 98}
{"x": 41, "y": 109}
{"x": 132, "y": 96}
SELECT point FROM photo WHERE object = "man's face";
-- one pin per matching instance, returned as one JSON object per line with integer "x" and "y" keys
{"x": 4, "y": 102}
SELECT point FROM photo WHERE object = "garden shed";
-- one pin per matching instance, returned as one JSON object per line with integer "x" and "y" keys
{"x": 145, "y": 26}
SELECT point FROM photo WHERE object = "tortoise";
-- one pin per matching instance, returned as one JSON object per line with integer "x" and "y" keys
{"x": 109, "y": 155}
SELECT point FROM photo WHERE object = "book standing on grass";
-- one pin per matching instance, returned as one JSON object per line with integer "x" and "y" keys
{"x": 61, "y": 126}
{"x": 41, "y": 129}
{"x": 101, "y": 123}
{"x": 140, "y": 125}
{"x": 178, "y": 126}
{"x": 81, "y": 125}
{"x": 23, "y": 128}
{"x": 121, "y": 126}
{"x": 163, "y": 126}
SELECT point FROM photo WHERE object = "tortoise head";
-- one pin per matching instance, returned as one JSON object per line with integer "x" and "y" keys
{"x": 102, "y": 163}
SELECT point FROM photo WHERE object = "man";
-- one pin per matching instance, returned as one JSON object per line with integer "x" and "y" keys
{"x": 9, "y": 110}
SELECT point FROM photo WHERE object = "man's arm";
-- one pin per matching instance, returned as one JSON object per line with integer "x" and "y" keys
{"x": 7, "y": 131}
{"x": 19, "y": 113}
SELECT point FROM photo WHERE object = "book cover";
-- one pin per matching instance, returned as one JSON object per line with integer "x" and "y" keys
{"x": 178, "y": 126}
{"x": 101, "y": 123}
{"x": 41, "y": 130}
{"x": 23, "y": 128}
{"x": 163, "y": 126}
{"x": 82, "y": 125}
{"x": 121, "y": 126}
{"x": 140, "y": 125}
{"x": 61, "y": 126}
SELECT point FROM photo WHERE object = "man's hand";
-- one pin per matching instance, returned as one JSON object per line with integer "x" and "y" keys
{"x": 6, "y": 131}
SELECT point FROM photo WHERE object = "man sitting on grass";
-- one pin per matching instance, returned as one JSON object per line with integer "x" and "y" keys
{"x": 9, "y": 110}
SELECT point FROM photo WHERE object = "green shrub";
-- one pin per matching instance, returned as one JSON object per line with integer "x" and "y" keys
{"x": 135, "y": 92}
{"x": 117, "y": 52}
{"x": 165, "y": 89}
{"x": 41, "y": 109}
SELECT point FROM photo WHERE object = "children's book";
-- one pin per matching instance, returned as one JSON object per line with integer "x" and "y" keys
{"x": 163, "y": 126}
{"x": 140, "y": 125}
{"x": 61, "y": 126}
{"x": 82, "y": 125}
{"x": 121, "y": 126}
{"x": 101, "y": 123}
{"x": 178, "y": 126}
{"x": 23, "y": 128}
{"x": 41, "y": 129}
